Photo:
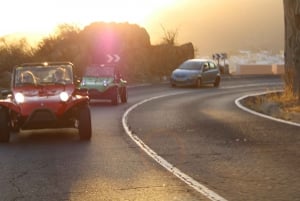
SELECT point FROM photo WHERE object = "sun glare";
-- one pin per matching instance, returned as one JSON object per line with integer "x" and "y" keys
{"x": 132, "y": 11}
{"x": 44, "y": 16}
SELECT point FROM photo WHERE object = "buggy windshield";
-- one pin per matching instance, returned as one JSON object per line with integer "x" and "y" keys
{"x": 43, "y": 75}
{"x": 99, "y": 71}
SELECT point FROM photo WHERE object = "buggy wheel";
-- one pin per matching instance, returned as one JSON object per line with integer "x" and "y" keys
{"x": 124, "y": 95}
{"x": 14, "y": 126}
{"x": 84, "y": 123}
{"x": 4, "y": 125}
{"x": 115, "y": 99}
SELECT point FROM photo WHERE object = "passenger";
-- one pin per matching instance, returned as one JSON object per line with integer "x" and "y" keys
{"x": 59, "y": 75}
{"x": 27, "y": 77}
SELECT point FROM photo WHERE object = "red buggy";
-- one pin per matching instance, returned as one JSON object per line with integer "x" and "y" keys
{"x": 44, "y": 95}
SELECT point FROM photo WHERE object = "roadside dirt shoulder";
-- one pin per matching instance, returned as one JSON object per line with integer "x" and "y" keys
{"x": 275, "y": 105}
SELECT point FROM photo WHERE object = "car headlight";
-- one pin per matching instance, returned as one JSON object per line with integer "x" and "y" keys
{"x": 19, "y": 97}
{"x": 64, "y": 96}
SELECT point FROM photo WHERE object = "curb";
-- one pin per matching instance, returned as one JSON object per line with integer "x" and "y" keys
{"x": 238, "y": 104}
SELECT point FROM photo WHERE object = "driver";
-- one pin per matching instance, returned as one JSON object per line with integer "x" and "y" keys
{"x": 59, "y": 75}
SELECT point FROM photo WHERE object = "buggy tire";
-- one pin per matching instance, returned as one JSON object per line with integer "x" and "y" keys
{"x": 124, "y": 95}
{"x": 85, "y": 126}
{"x": 115, "y": 99}
{"x": 4, "y": 125}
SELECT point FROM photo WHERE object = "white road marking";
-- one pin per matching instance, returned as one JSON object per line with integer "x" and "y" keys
{"x": 237, "y": 102}
{"x": 171, "y": 168}
{"x": 182, "y": 176}
{"x": 251, "y": 85}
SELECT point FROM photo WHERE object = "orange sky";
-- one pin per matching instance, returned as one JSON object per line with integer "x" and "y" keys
{"x": 211, "y": 25}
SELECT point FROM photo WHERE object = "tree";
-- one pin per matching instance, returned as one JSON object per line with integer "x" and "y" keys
{"x": 13, "y": 53}
{"x": 292, "y": 46}
{"x": 169, "y": 36}
{"x": 63, "y": 45}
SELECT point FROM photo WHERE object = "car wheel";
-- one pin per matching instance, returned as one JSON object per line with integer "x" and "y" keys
{"x": 217, "y": 82}
{"x": 4, "y": 126}
{"x": 115, "y": 100}
{"x": 124, "y": 95}
{"x": 84, "y": 123}
{"x": 198, "y": 83}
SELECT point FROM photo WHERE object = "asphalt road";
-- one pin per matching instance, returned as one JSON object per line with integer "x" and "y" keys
{"x": 201, "y": 132}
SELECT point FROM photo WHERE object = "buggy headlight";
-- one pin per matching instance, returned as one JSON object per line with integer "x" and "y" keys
{"x": 64, "y": 96}
{"x": 105, "y": 83}
{"x": 19, "y": 97}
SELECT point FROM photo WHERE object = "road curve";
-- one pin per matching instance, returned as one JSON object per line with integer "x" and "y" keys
{"x": 55, "y": 165}
{"x": 205, "y": 135}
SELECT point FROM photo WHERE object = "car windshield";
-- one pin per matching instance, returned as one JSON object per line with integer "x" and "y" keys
{"x": 99, "y": 71}
{"x": 191, "y": 65}
{"x": 38, "y": 75}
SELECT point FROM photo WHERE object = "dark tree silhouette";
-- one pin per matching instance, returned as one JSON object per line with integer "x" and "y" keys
{"x": 292, "y": 46}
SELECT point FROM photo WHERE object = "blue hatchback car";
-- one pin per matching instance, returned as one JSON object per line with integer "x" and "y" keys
{"x": 196, "y": 72}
